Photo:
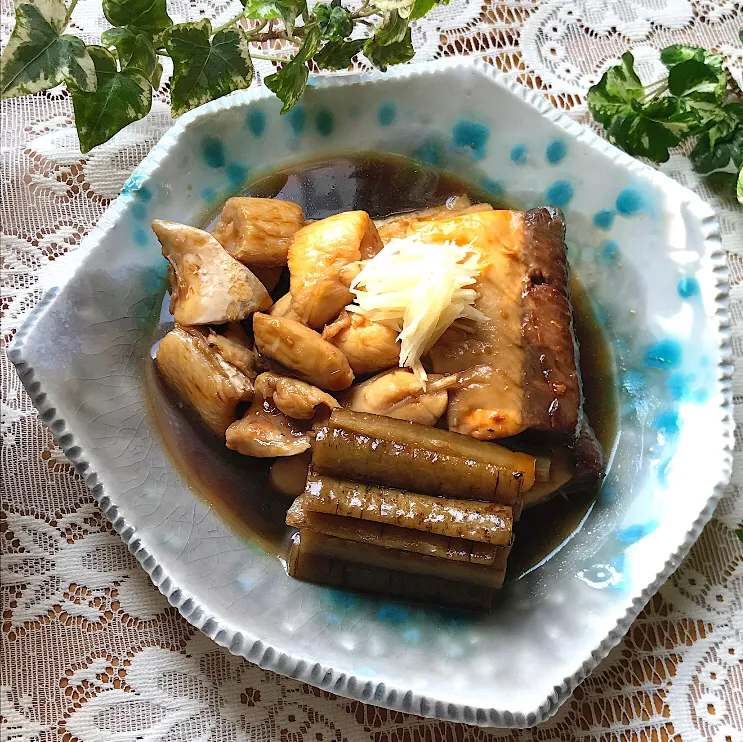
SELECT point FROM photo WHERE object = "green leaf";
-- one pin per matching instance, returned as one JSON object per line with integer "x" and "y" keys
{"x": 290, "y": 81}
{"x": 392, "y": 30}
{"x": 739, "y": 531}
{"x": 424, "y": 7}
{"x": 135, "y": 52}
{"x": 338, "y": 55}
{"x": 612, "y": 96}
{"x": 150, "y": 16}
{"x": 391, "y": 44}
{"x": 694, "y": 79}
{"x": 723, "y": 120}
{"x": 205, "y": 69}
{"x": 642, "y": 137}
{"x": 651, "y": 129}
{"x": 119, "y": 99}
{"x": 677, "y": 53}
{"x": 402, "y": 7}
{"x": 334, "y": 21}
{"x": 724, "y": 155}
{"x": 37, "y": 55}
{"x": 287, "y": 10}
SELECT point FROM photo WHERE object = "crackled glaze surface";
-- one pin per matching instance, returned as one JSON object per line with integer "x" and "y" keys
{"x": 648, "y": 253}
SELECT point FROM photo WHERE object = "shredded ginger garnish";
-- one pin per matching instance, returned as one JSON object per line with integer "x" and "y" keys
{"x": 419, "y": 289}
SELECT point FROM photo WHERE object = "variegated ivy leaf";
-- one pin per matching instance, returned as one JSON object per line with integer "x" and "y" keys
{"x": 290, "y": 81}
{"x": 120, "y": 98}
{"x": 135, "y": 52}
{"x": 287, "y": 10}
{"x": 38, "y": 56}
{"x": 338, "y": 55}
{"x": 391, "y": 44}
{"x": 204, "y": 68}
{"x": 143, "y": 15}
{"x": 421, "y": 8}
{"x": 403, "y": 7}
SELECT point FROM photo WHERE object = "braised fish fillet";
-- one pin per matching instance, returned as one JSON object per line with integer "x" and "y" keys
{"x": 527, "y": 375}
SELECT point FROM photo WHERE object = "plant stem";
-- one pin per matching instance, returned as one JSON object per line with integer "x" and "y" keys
{"x": 659, "y": 86}
{"x": 229, "y": 23}
{"x": 259, "y": 38}
{"x": 269, "y": 58}
{"x": 69, "y": 12}
{"x": 361, "y": 13}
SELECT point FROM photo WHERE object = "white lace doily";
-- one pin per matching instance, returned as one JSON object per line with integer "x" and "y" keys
{"x": 91, "y": 651}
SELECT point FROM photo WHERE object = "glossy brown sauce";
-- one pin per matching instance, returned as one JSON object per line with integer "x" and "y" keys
{"x": 236, "y": 486}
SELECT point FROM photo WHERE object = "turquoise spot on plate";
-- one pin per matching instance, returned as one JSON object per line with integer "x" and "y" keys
{"x": 132, "y": 184}
{"x": 340, "y": 599}
{"x": 493, "y": 187}
{"x": 392, "y": 612}
{"x": 630, "y": 201}
{"x": 153, "y": 279}
{"x": 556, "y": 151}
{"x": 143, "y": 193}
{"x": 664, "y": 354}
{"x": 429, "y": 153}
{"x": 607, "y": 495}
{"x": 386, "y": 114}
{"x": 140, "y": 237}
{"x": 297, "y": 119}
{"x": 664, "y": 467}
{"x": 610, "y": 251}
{"x": 212, "y": 150}
{"x": 411, "y": 636}
{"x": 139, "y": 211}
{"x": 559, "y": 193}
{"x": 603, "y": 219}
{"x": 704, "y": 361}
{"x": 472, "y": 136}
{"x": 633, "y": 534}
{"x": 209, "y": 195}
{"x": 256, "y": 122}
{"x": 679, "y": 385}
{"x": 667, "y": 423}
{"x": 325, "y": 122}
{"x": 688, "y": 287}
{"x": 700, "y": 396}
{"x": 519, "y": 153}
{"x": 236, "y": 174}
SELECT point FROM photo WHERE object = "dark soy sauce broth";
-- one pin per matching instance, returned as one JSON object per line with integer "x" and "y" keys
{"x": 236, "y": 486}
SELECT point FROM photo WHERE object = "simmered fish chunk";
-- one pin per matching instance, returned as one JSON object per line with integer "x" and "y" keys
{"x": 369, "y": 346}
{"x": 208, "y": 285}
{"x": 210, "y": 385}
{"x": 318, "y": 255}
{"x": 257, "y": 231}
{"x": 302, "y": 351}
{"x": 400, "y": 394}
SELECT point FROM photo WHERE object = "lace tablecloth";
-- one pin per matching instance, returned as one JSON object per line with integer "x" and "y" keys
{"x": 91, "y": 651}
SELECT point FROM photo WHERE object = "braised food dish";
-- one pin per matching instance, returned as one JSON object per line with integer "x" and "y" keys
{"x": 416, "y": 387}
